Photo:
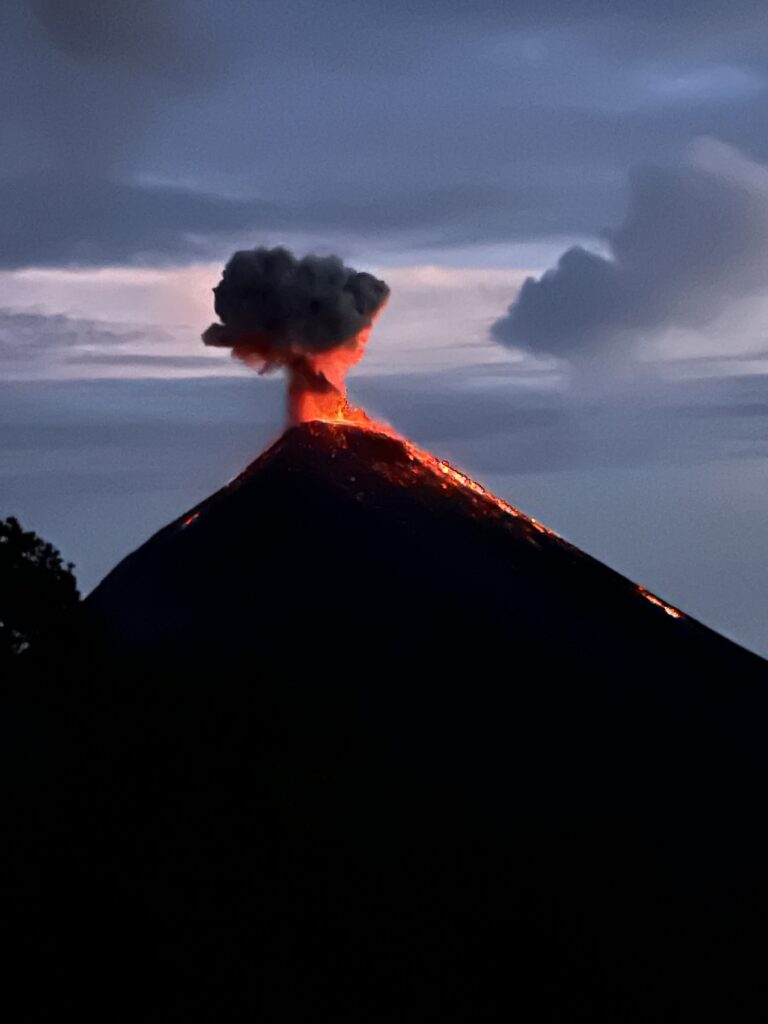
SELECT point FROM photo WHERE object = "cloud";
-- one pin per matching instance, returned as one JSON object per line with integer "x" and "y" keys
{"x": 436, "y": 317}
{"x": 53, "y": 218}
{"x": 27, "y": 335}
{"x": 39, "y": 345}
{"x": 82, "y": 81}
{"x": 59, "y": 218}
{"x": 694, "y": 242}
{"x": 140, "y": 360}
{"x": 151, "y": 130}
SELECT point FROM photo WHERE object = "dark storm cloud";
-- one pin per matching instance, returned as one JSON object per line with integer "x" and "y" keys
{"x": 405, "y": 124}
{"x": 693, "y": 242}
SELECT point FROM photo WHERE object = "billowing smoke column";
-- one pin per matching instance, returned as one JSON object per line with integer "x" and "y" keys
{"x": 311, "y": 315}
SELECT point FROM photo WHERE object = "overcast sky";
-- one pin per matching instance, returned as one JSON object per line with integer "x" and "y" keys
{"x": 568, "y": 199}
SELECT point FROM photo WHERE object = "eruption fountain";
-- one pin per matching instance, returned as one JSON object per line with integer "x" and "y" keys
{"x": 313, "y": 317}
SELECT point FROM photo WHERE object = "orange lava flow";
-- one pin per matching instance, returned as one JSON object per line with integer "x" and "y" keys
{"x": 673, "y": 612}
{"x": 317, "y": 393}
{"x": 454, "y": 477}
{"x": 332, "y": 406}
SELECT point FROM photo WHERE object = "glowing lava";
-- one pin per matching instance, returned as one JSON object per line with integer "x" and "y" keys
{"x": 328, "y": 404}
{"x": 316, "y": 385}
{"x": 672, "y": 612}
{"x": 333, "y": 407}
{"x": 317, "y": 394}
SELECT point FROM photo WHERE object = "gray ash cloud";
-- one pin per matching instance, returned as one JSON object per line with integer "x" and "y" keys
{"x": 279, "y": 306}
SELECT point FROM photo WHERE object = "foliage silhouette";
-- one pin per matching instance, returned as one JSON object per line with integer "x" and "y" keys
{"x": 38, "y": 590}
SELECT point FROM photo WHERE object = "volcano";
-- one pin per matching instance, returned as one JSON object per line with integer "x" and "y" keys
{"x": 348, "y": 536}
{"x": 354, "y": 740}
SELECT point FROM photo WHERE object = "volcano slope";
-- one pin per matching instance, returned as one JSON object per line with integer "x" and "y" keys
{"x": 354, "y": 741}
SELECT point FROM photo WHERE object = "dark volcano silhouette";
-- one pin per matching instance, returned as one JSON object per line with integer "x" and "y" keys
{"x": 354, "y": 539}
{"x": 351, "y": 741}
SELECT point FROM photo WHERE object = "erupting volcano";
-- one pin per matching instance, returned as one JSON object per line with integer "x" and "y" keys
{"x": 342, "y": 505}
{"x": 313, "y": 317}
{"x": 360, "y": 741}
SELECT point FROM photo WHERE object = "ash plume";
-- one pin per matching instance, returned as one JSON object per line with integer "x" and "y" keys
{"x": 310, "y": 315}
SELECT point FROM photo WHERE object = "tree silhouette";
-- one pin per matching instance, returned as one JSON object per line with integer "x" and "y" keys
{"x": 37, "y": 589}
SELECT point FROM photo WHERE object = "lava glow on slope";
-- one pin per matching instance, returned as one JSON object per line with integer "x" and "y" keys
{"x": 336, "y": 409}
{"x": 672, "y": 612}
{"x": 422, "y": 462}
{"x": 317, "y": 394}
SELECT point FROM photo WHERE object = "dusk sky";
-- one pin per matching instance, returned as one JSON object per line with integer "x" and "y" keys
{"x": 569, "y": 201}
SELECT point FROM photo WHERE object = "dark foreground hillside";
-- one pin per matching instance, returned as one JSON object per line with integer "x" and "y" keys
{"x": 350, "y": 742}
